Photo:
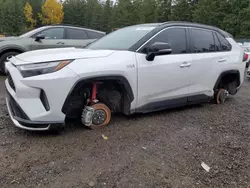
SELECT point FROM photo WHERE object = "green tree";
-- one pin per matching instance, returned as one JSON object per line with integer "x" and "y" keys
{"x": 37, "y": 8}
{"x": 164, "y": 10}
{"x": 211, "y": 12}
{"x": 106, "y": 16}
{"x": 149, "y": 11}
{"x": 138, "y": 17}
{"x": 74, "y": 11}
{"x": 12, "y": 17}
{"x": 93, "y": 13}
{"x": 244, "y": 17}
{"x": 182, "y": 10}
{"x": 123, "y": 14}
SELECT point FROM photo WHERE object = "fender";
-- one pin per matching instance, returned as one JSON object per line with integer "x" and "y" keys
{"x": 226, "y": 73}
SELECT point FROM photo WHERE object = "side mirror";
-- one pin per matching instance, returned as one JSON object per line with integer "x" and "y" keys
{"x": 158, "y": 48}
{"x": 39, "y": 37}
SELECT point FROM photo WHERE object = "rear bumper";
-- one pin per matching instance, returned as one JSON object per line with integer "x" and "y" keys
{"x": 20, "y": 119}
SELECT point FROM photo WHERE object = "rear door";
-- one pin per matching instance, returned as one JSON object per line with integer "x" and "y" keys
{"x": 77, "y": 38}
{"x": 54, "y": 38}
{"x": 208, "y": 59}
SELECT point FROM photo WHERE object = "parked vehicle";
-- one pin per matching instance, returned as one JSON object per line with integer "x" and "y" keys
{"x": 137, "y": 69}
{"x": 55, "y": 36}
{"x": 247, "y": 51}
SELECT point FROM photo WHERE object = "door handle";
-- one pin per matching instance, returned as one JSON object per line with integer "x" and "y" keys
{"x": 222, "y": 60}
{"x": 185, "y": 64}
{"x": 60, "y": 43}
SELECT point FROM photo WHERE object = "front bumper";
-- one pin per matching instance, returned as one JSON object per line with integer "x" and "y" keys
{"x": 25, "y": 123}
{"x": 25, "y": 98}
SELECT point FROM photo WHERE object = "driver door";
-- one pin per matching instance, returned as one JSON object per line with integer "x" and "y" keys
{"x": 54, "y": 38}
{"x": 164, "y": 82}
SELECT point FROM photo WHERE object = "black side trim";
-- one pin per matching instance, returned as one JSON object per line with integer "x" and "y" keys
{"x": 173, "y": 103}
{"x": 226, "y": 73}
{"x": 83, "y": 81}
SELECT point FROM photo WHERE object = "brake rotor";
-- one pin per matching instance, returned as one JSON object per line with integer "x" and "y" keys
{"x": 101, "y": 116}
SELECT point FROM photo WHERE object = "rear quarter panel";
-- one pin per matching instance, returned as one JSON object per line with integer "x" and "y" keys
{"x": 236, "y": 59}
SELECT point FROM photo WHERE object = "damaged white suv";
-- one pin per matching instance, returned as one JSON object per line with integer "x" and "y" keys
{"x": 137, "y": 69}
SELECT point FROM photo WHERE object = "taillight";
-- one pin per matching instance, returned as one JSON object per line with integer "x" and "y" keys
{"x": 245, "y": 57}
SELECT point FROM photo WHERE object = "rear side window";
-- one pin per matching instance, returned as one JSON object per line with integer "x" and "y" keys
{"x": 176, "y": 37}
{"x": 94, "y": 35}
{"x": 75, "y": 34}
{"x": 202, "y": 41}
{"x": 224, "y": 44}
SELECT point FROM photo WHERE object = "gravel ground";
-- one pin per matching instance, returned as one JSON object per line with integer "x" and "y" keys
{"x": 163, "y": 149}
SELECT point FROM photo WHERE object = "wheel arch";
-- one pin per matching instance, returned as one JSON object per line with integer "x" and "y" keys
{"x": 225, "y": 73}
{"x": 79, "y": 84}
{"x": 12, "y": 49}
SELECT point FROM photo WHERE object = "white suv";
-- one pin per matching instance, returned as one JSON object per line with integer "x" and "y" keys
{"x": 137, "y": 69}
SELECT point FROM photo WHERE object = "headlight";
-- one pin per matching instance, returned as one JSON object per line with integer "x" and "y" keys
{"x": 35, "y": 69}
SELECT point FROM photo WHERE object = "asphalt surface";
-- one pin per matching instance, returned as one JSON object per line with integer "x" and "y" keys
{"x": 163, "y": 149}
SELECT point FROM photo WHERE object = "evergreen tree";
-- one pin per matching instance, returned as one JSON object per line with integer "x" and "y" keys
{"x": 123, "y": 16}
{"x": 164, "y": 10}
{"x": 37, "y": 8}
{"x": 74, "y": 11}
{"x": 106, "y": 16}
{"x": 182, "y": 10}
{"x": 13, "y": 19}
{"x": 93, "y": 14}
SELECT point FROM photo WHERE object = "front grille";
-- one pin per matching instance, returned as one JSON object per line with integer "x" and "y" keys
{"x": 10, "y": 80}
{"x": 15, "y": 108}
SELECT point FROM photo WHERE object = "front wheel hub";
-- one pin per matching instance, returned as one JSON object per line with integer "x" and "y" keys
{"x": 99, "y": 117}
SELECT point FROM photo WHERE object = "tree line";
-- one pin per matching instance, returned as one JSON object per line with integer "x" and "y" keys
{"x": 18, "y": 16}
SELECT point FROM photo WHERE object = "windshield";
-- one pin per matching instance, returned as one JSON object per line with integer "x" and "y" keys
{"x": 122, "y": 39}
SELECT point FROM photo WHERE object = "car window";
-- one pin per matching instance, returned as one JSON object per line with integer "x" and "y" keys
{"x": 76, "y": 34}
{"x": 94, "y": 35}
{"x": 53, "y": 33}
{"x": 202, "y": 40}
{"x": 225, "y": 45}
{"x": 176, "y": 37}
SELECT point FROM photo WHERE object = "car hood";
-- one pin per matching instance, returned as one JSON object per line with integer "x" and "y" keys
{"x": 8, "y": 38}
{"x": 39, "y": 56}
